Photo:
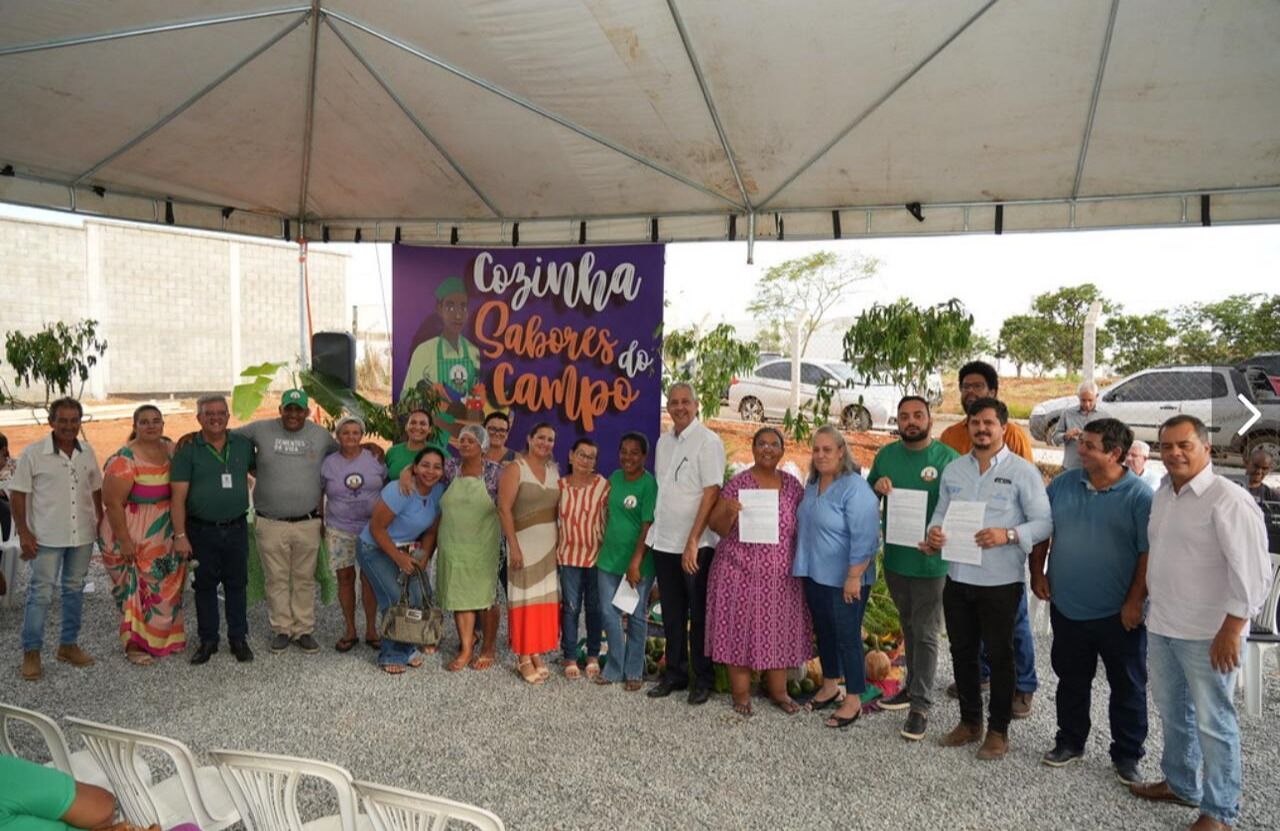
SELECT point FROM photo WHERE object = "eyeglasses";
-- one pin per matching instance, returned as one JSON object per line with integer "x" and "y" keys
{"x": 978, "y": 387}
{"x": 497, "y": 431}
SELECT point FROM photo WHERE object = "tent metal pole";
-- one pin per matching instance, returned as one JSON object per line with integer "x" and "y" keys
{"x": 751, "y": 238}
{"x": 875, "y": 105}
{"x": 308, "y": 123}
{"x": 1093, "y": 101}
{"x": 711, "y": 104}
{"x": 185, "y": 105}
{"x": 409, "y": 114}
{"x": 102, "y": 37}
{"x": 521, "y": 101}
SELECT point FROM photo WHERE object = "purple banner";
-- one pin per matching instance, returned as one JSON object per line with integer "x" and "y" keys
{"x": 569, "y": 336}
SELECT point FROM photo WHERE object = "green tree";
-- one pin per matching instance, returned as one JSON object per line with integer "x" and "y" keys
{"x": 1064, "y": 312}
{"x": 57, "y": 356}
{"x": 1228, "y": 330}
{"x": 902, "y": 344}
{"x": 1140, "y": 341}
{"x": 1024, "y": 340}
{"x": 806, "y": 288}
{"x": 708, "y": 361}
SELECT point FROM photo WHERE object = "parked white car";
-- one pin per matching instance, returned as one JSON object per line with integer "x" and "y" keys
{"x": 855, "y": 405}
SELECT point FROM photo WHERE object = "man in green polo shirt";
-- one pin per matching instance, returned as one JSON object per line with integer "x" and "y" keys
{"x": 915, "y": 579}
{"x": 210, "y": 478}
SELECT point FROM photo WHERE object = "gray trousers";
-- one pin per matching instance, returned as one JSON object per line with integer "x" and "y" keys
{"x": 919, "y": 602}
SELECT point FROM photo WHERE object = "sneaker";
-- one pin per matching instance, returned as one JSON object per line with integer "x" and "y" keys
{"x": 994, "y": 746}
{"x": 71, "y": 653}
{"x": 1022, "y": 704}
{"x": 31, "y": 668}
{"x": 900, "y": 701}
{"x": 1127, "y": 771}
{"x": 308, "y": 643}
{"x": 1061, "y": 755}
{"x": 279, "y": 643}
{"x": 241, "y": 650}
{"x": 917, "y": 722}
{"x": 954, "y": 692}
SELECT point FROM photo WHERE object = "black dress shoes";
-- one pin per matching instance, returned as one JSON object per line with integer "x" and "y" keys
{"x": 204, "y": 652}
{"x": 241, "y": 650}
{"x": 664, "y": 688}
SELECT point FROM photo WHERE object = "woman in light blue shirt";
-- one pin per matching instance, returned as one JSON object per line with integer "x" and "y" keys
{"x": 391, "y": 545}
{"x": 839, "y": 534}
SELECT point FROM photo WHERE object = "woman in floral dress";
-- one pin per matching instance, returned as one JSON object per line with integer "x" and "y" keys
{"x": 136, "y": 537}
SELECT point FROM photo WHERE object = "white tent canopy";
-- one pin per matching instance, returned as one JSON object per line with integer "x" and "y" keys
{"x": 554, "y": 121}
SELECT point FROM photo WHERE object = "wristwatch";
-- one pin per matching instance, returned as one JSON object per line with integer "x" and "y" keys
{"x": 1012, "y": 534}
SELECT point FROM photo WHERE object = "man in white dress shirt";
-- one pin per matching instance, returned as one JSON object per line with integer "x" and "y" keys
{"x": 689, "y": 466}
{"x": 1208, "y": 572}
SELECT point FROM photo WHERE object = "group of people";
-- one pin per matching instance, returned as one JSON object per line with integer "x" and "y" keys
{"x": 1160, "y": 581}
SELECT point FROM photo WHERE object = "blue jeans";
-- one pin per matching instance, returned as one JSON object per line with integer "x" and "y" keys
{"x": 223, "y": 554}
{"x": 626, "y": 655}
{"x": 73, "y": 562}
{"x": 1024, "y": 653}
{"x": 1201, "y": 759}
{"x": 838, "y": 626}
{"x": 576, "y": 583}
{"x": 384, "y": 576}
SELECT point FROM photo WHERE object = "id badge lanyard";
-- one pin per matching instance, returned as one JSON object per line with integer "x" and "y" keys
{"x": 225, "y": 460}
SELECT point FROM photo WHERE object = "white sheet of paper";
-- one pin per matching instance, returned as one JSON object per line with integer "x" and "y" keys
{"x": 906, "y": 517}
{"x": 758, "y": 520}
{"x": 626, "y": 597}
{"x": 962, "y": 523}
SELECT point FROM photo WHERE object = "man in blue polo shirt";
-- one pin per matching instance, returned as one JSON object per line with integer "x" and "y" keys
{"x": 1097, "y": 584}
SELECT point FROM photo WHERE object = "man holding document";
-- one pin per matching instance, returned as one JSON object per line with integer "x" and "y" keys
{"x": 992, "y": 508}
{"x": 906, "y": 475}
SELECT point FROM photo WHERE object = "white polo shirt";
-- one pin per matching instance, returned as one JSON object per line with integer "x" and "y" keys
{"x": 684, "y": 465}
{"x": 1208, "y": 557}
{"x": 60, "y": 509}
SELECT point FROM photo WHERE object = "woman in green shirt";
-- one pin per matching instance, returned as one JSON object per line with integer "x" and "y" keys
{"x": 416, "y": 432}
{"x": 633, "y": 494}
{"x": 39, "y": 798}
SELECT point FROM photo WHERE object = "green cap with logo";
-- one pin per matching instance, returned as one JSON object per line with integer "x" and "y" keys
{"x": 294, "y": 398}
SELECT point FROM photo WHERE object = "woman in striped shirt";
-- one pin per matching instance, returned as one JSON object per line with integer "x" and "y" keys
{"x": 583, "y": 497}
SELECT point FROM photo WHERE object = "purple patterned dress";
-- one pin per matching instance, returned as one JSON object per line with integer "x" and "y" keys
{"x": 756, "y": 614}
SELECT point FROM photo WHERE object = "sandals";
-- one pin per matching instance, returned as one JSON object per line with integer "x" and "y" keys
{"x": 599, "y": 679}
{"x": 743, "y": 709}
{"x": 815, "y": 705}
{"x": 786, "y": 705}
{"x": 482, "y": 662}
{"x": 346, "y": 644}
{"x": 572, "y": 672}
{"x": 593, "y": 669}
{"x": 376, "y": 643}
{"x": 633, "y": 686}
{"x": 415, "y": 662}
{"x": 456, "y": 664}
{"x": 526, "y": 670}
{"x": 138, "y": 658}
{"x": 841, "y": 722}
{"x": 392, "y": 669}
{"x": 542, "y": 671}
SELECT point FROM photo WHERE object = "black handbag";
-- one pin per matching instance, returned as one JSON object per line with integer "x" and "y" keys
{"x": 407, "y": 623}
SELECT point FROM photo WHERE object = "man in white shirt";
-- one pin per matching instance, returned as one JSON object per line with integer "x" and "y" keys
{"x": 57, "y": 505}
{"x": 690, "y": 469}
{"x": 1208, "y": 572}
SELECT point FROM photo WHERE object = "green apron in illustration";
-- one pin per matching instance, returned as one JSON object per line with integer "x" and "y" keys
{"x": 467, "y": 573}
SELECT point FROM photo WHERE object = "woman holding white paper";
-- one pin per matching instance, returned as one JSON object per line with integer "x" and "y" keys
{"x": 839, "y": 535}
{"x": 756, "y": 617}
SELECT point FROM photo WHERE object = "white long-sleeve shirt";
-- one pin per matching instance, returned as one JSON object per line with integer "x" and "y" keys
{"x": 1208, "y": 557}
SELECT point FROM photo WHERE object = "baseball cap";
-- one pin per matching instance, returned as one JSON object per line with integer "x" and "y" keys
{"x": 294, "y": 398}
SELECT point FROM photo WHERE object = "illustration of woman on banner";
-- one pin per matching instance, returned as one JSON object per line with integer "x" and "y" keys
{"x": 449, "y": 362}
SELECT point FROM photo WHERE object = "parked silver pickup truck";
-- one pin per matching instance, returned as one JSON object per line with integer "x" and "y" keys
{"x": 1146, "y": 399}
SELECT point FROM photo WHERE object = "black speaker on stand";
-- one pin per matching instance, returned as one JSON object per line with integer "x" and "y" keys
{"x": 334, "y": 353}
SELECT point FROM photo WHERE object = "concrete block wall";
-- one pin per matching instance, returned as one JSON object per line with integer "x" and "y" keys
{"x": 182, "y": 311}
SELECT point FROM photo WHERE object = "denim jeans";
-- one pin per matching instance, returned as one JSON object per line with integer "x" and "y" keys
{"x": 575, "y": 584}
{"x": 838, "y": 626}
{"x": 1201, "y": 759}
{"x": 222, "y": 552}
{"x": 626, "y": 655}
{"x": 1024, "y": 653}
{"x": 384, "y": 576}
{"x": 73, "y": 562}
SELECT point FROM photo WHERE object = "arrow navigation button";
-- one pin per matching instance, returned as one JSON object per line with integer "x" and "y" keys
{"x": 1257, "y": 414}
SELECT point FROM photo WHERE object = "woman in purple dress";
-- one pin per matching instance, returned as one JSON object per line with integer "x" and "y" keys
{"x": 756, "y": 616}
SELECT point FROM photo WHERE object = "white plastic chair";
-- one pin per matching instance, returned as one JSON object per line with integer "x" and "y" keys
{"x": 79, "y": 765}
{"x": 265, "y": 789}
{"x": 1261, "y": 642}
{"x": 193, "y": 794}
{"x": 395, "y": 809}
{"x": 10, "y": 553}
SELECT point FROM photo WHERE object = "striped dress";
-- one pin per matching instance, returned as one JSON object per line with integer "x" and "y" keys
{"x": 148, "y": 591}
{"x": 533, "y": 592}
{"x": 582, "y": 522}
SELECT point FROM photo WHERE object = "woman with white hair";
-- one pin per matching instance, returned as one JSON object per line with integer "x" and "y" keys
{"x": 351, "y": 480}
{"x": 468, "y": 540}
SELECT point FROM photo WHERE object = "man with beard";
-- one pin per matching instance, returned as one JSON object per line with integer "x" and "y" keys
{"x": 978, "y": 379}
{"x": 915, "y": 579}
{"x": 981, "y": 600}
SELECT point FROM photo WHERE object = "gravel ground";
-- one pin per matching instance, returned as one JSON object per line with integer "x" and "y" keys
{"x": 574, "y": 755}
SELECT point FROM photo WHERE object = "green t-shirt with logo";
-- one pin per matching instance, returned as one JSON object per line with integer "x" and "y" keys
{"x": 631, "y": 505}
{"x": 919, "y": 470}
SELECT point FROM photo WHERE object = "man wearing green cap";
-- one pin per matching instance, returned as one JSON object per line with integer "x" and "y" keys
{"x": 448, "y": 362}
{"x": 286, "y": 500}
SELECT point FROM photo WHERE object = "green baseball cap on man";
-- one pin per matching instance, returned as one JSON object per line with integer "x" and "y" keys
{"x": 294, "y": 398}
